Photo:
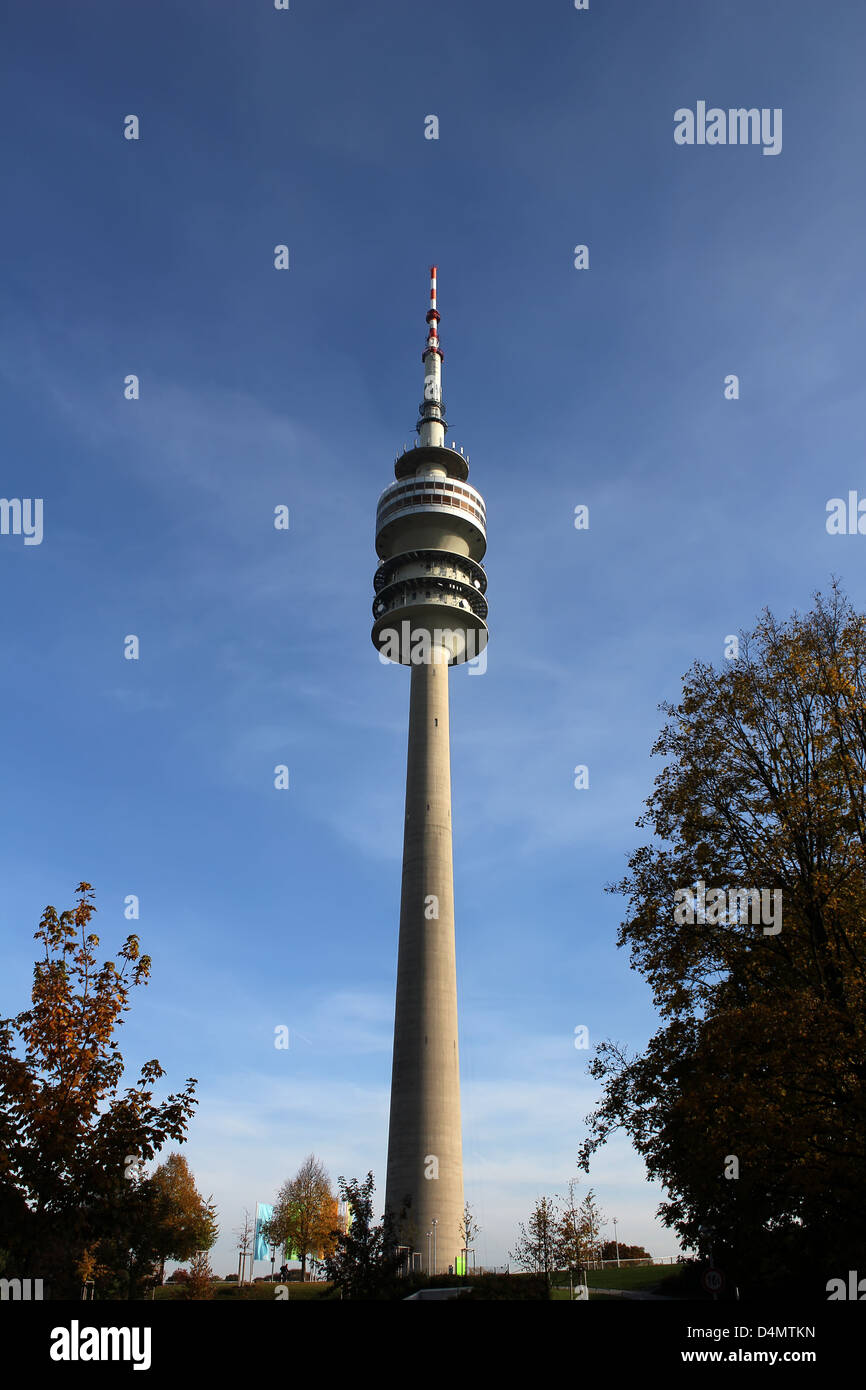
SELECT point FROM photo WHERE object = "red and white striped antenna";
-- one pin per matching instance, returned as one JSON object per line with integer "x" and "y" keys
{"x": 432, "y": 425}
{"x": 432, "y": 319}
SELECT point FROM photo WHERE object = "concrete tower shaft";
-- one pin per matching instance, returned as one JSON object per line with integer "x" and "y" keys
{"x": 425, "y": 1146}
{"x": 429, "y": 612}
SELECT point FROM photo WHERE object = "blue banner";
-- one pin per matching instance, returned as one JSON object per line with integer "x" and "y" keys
{"x": 261, "y": 1248}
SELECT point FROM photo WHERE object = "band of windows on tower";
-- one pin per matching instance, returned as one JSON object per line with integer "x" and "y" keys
{"x": 431, "y": 532}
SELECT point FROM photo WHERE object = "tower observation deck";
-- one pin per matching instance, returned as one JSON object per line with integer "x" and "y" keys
{"x": 431, "y": 535}
{"x": 429, "y": 613}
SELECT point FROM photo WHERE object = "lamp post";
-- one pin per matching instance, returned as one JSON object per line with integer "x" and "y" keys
{"x": 434, "y": 1223}
{"x": 616, "y": 1242}
{"x": 429, "y": 1233}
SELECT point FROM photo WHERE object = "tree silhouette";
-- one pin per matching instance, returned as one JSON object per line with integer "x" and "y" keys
{"x": 749, "y": 1104}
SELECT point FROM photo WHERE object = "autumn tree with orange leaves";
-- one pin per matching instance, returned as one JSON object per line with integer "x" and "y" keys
{"x": 305, "y": 1216}
{"x": 71, "y": 1147}
{"x": 749, "y": 1104}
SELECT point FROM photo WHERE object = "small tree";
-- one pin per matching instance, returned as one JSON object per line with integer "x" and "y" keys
{"x": 571, "y": 1235}
{"x": 244, "y": 1235}
{"x": 469, "y": 1229}
{"x": 536, "y": 1244}
{"x": 591, "y": 1220}
{"x": 364, "y": 1261}
{"x": 305, "y": 1213}
{"x": 199, "y": 1285}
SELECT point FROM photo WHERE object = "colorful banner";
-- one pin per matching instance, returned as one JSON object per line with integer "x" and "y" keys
{"x": 261, "y": 1248}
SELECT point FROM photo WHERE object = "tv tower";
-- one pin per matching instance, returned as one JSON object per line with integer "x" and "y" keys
{"x": 429, "y": 613}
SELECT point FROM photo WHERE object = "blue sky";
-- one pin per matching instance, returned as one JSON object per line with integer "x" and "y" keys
{"x": 604, "y": 387}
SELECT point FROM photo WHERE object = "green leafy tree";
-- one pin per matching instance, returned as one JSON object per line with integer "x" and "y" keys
{"x": 121, "y": 1263}
{"x": 537, "y": 1240}
{"x": 70, "y": 1145}
{"x": 364, "y": 1263}
{"x": 749, "y": 1104}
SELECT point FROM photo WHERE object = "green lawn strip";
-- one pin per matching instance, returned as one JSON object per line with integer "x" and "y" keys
{"x": 563, "y": 1295}
{"x": 648, "y": 1278}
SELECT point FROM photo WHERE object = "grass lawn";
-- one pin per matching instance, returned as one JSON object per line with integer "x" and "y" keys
{"x": 646, "y": 1278}
{"x": 563, "y": 1295}
{"x": 643, "y": 1277}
